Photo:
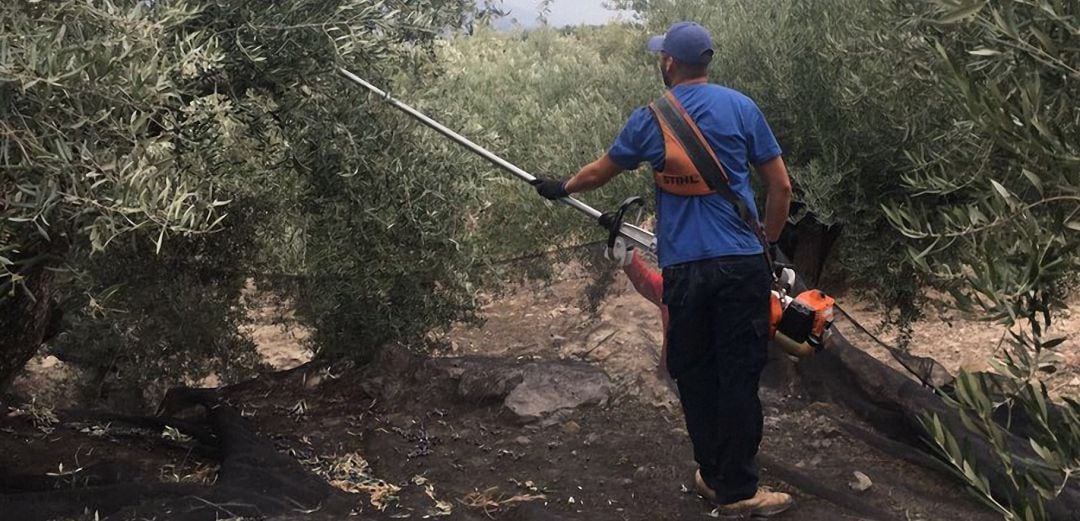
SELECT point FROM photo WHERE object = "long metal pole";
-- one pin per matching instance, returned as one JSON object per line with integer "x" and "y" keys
{"x": 639, "y": 236}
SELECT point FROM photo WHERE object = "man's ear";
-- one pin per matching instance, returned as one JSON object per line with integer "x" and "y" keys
{"x": 666, "y": 62}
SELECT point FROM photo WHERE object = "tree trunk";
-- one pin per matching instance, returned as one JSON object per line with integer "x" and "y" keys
{"x": 811, "y": 247}
{"x": 25, "y": 320}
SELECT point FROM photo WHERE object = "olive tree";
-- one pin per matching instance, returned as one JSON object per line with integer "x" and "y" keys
{"x": 996, "y": 218}
{"x": 184, "y": 145}
{"x": 93, "y": 109}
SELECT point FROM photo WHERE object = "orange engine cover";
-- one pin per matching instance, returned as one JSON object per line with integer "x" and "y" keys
{"x": 800, "y": 328}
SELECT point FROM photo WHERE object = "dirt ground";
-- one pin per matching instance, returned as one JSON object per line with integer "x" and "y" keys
{"x": 625, "y": 461}
{"x": 423, "y": 452}
{"x": 959, "y": 342}
{"x": 278, "y": 335}
{"x": 625, "y": 335}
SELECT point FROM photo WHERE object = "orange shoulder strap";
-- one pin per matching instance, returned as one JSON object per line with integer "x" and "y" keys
{"x": 675, "y": 117}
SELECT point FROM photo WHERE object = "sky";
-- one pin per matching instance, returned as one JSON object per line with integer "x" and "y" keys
{"x": 563, "y": 12}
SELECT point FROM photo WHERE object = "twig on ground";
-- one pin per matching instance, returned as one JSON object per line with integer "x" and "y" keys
{"x": 598, "y": 344}
{"x": 216, "y": 506}
{"x": 492, "y": 501}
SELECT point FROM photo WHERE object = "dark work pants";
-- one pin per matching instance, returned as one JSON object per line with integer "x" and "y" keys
{"x": 717, "y": 341}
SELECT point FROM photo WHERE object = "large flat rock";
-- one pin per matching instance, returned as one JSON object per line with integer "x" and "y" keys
{"x": 529, "y": 390}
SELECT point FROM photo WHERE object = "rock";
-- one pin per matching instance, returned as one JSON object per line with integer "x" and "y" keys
{"x": 530, "y": 390}
{"x": 627, "y": 482}
{"x": 571, "y": 427}
{"x": 522, "y": 440}
{"x": 591, "y": 439}
{"x": 862, "y": 482}
{"x": 50, "y": 362}
{"x": 481, "y": 386}
{"x": 556, "y": 418}
{"x": 453, "y": 367}
{"x": 548, "y": 387}
{"x": 481, "y": 380}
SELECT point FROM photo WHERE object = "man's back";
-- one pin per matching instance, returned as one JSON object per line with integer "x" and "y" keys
{"x": 702, "y": 227}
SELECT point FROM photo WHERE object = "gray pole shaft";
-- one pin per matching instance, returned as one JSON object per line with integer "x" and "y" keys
{"x": 641, "y": 237}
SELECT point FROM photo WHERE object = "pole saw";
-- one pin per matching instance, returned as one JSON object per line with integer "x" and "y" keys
{"x": 800, "y": 325}
{"x": 616, "y": 227}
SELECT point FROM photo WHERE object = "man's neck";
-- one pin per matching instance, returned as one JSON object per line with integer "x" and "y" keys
{"x": 690, "y": 81}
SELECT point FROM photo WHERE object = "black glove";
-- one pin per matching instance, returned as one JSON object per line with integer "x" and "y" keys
{"x": 550, "y": 189}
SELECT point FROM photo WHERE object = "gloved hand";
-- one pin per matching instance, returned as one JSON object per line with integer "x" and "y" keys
{"x": 550, "y": 189}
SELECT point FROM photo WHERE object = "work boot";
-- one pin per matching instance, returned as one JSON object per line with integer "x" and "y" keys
{"x": 703, "y": 488}
{"x": 765, "y": 503}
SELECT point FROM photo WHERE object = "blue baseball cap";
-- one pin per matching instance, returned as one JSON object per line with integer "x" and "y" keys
{"x": 687, "y": 42}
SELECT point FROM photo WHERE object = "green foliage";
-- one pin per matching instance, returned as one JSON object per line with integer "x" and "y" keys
{"x": 997, "y": 210}
{"x": 549, "y": 101}
{"x": 158, "y": 152}
{"x": 991, "y": 212}
{"x": 165, "y": 318}
{"x": 1033, "y": 474}
{"x": 92, "y": 105}
{"x": 108, "y": 137}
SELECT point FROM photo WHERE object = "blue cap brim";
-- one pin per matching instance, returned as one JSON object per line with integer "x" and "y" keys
{"x": 655, "y": 44}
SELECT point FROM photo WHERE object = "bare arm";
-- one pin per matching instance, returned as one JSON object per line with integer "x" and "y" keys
{"x": 777, "y": 195}
{"x": 593, "y": 175}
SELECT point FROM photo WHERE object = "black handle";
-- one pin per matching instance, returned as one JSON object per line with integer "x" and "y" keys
{"x": 612, "y": 222}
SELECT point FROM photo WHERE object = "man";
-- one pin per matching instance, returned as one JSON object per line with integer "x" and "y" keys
{"x": 715, "y": 279}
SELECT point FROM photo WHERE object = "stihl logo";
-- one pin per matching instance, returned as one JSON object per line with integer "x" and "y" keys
{"x": 680, "y": 179}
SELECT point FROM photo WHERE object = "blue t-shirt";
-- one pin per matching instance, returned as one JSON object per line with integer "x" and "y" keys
{"x": 703, "y": 227}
